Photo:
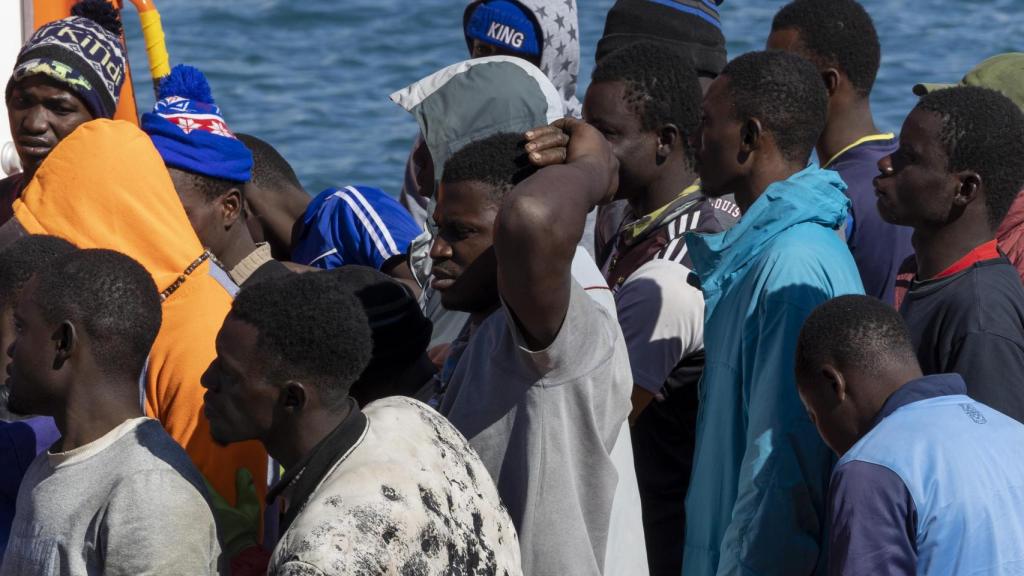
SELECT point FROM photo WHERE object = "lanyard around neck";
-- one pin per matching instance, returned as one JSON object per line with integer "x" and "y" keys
{"x": 858, "y": 142}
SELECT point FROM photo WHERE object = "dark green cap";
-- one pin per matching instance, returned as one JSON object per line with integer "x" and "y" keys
{"x": 1004, "y": 72}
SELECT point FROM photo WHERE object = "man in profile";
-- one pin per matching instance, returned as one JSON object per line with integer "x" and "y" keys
{"x": 390, "y": 488}
{"x": 958, "y": 168}
{"x": 116, "y": 494}
{"x": 757, "y": 493}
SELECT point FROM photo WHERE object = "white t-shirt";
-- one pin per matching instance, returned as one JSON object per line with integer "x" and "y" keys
{"x": 662, "y": 319}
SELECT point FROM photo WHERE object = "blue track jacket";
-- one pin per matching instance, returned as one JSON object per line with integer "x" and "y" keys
{"x": 757, "y": 498}
{"x": 353, "y": 225}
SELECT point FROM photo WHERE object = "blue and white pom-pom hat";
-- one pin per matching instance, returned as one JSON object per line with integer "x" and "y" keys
{"x": 190, "y": 133}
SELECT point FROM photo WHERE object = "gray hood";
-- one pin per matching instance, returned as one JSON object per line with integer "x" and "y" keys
{"x": 560, "y": 45}
{"x": 476, "y": 98}
{"x": 470, "y": 101}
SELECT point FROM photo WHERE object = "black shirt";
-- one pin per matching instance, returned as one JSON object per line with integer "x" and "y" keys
{"x": 972, "y": 323}
{"x": 269, "y": 269}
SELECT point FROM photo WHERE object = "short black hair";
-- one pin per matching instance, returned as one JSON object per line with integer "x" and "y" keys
{"x": 309, "y": 329}
{"x": 211, "y": 187}
{"x": 500, "y": 160}
{"x": 784, "y": 92}
{"x": 661, "y": 86}
{"x": 837, "y": 33}
{"x": 25, "y": 256}
{"x": 983, "y": 131}
{"x": 110, "y": 297}
{"x": 854, "y": 331}
{"x": 269, "y": 168}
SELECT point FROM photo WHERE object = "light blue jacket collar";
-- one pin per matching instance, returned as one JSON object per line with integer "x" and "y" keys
{"x": 812, "y": 195}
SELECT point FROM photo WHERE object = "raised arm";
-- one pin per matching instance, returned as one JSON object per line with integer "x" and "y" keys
{"x": 541, "y": 221}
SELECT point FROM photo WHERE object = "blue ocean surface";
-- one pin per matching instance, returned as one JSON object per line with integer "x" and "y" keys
{"x": 312, "y": 77}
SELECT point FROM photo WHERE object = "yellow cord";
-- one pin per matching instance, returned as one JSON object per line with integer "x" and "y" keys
{"x": 156, "y": 49}
{"x": 869, "y": 138}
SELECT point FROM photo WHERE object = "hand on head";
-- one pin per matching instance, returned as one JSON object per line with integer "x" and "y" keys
{"x": 572, "y": 141}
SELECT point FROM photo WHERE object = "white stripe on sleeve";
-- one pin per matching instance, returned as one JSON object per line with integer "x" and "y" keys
{"x": 322, "y": 256}
{"x": 376, "y": 218}
{"x": 366, "y": 223}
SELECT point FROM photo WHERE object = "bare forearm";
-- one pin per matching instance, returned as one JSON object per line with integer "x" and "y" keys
{"x": 548, "y": 211}
{"x": 537, "y": 229}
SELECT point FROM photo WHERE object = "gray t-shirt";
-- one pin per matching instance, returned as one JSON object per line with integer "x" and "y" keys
{"x": 129, "y": 503}
{"x": 544, "y": 424}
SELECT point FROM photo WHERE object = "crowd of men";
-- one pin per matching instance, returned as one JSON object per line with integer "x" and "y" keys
{"x": 708, "y": 321}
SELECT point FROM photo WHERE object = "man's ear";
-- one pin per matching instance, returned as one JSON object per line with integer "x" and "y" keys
{"x": 751, "y": 133}
{"x": 669, "y": 138}
{"x": 293, "y": 396}
{"x": 65, "y": 339}
{"x": 231, "y": 206}
{"x": 831, "y": 78}
{"x": 836, "y": 381}
{"x": 968, "y": 189}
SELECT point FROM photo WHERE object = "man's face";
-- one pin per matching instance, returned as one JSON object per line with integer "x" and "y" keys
{"x": 240, "y": 402}
{"x": 463, "y": 264}
{"x": 606, "y": 108}
{"x": 30, "y": 372}
{"x": 42, "y": 112}
{"x": 835, "y": 420}
{"x": 204, "y": 215}
{"x": 915, "y": 187}
{"x": 718, "y": 141}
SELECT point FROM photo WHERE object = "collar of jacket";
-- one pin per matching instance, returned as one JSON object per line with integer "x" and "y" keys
{"x": 642, "y": 227}
{"x": 812, "y": 195}
{"x": 303, "y": 479}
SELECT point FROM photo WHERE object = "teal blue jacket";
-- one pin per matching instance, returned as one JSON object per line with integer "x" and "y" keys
{"x": 757, "y": 498}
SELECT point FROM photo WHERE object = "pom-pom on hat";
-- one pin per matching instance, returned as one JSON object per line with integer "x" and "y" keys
{"x": 189, "y": 132}
{"x": 82, "y": 51}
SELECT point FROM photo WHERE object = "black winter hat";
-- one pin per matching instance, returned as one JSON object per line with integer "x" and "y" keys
{"x": 691, "y": 25}
{"x": 401, "y": 333}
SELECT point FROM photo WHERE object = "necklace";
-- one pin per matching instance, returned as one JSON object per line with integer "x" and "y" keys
{"x": 206, "y": 255}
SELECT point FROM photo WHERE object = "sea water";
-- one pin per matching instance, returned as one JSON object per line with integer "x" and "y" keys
{"x": 312, "y": 77}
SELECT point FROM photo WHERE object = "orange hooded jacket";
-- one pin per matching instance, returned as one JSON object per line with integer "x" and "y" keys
{"x": 105, "y": 186}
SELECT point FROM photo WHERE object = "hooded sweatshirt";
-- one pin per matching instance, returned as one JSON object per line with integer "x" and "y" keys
{"x": 105, "y": 186}
{"x": 756, "y": 503}
{"x": 559, "y": 43}
{"x": 460, "y": 104}
{"x": 560, "y": 61}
